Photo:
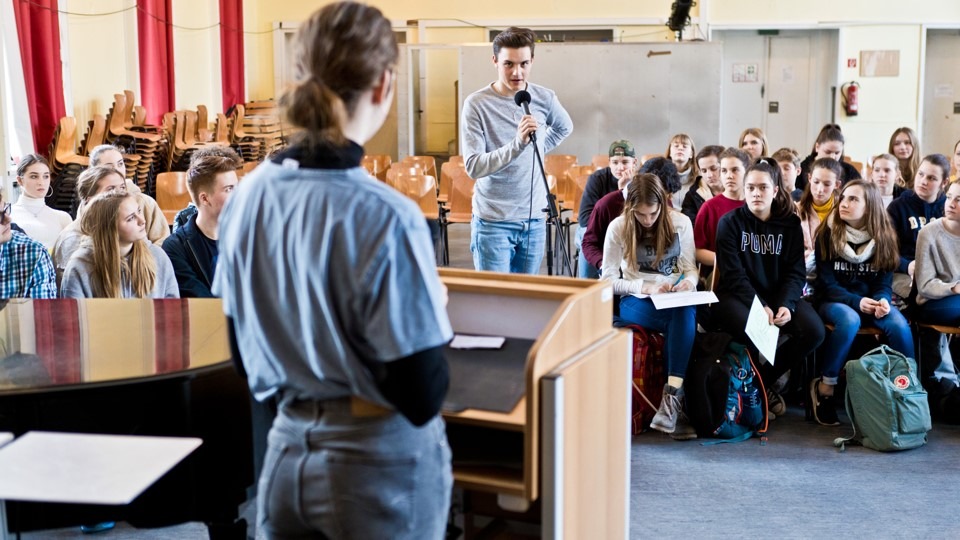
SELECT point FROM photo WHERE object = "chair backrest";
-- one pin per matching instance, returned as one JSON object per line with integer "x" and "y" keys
{"x": 421, "y": 188}
{"x": 446, "y": 179}
{"x": 600, "y": 161}
{"x": 222, "y": 132}
{"x": 457, "y": 160}
{"x": 559, "y": 164}
{"x": 461, "y": 197}
{"x": 128, "y": 108}
{"x": 427, "y": 163}
{"x": 115, "y": 121}
{"x": 172, "y": 193}
{"x": 98, "y": 128}
{"x": 66, "y": 145}
{"x": 377, "y": 165}
{"x": 203, "y": 124}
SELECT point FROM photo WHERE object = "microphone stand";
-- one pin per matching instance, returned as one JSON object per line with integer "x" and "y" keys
{"x": 553, "y": 218}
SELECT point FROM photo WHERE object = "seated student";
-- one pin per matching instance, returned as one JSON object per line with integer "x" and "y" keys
{"x": 789, "y": 161}
{"x": 816, "y": 203}
{"x": 193, "y": 248}
{"x": 651, "y": 245}
{"x": 829, "y": 144}
{"x": 119, "y": 262}
{"x": 681, "y": 151}
{"x": 623, "y": 164}
{"x": 914, "y": 210}
{"x": 885, "y": 174}
{"x": 31, "y": 212}
{"x": 157, "y": 227}
{"x": 938, "y": 276}
{"x": 733, "y": 165}
{"x": 754, "y": 142}
{"x": 706, "y": 185}
{"x": 905, "y": 146}
{"x": 610, "y": 206}
{"x": 91, "y": 182}
{"x": 25, "y": 267}
{"x": 956, "y": 162}
{"x": 856, "y": 256}
{"x": 760, "y": 254}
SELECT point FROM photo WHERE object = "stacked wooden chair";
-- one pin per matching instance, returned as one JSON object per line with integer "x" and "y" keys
{"x": 65, "y": 165}
{"x": 141, "y": 143}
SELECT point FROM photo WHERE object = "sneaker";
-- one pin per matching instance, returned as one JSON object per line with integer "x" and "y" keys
{"x": 824, "y": 407}
{"x": 666, "y": 418}
{"x": 775, "y": 404}
{"x": 683, "y": 431}
{"x": 98, "y": 527}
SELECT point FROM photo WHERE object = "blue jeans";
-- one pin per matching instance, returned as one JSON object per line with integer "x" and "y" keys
{"x": 678, "y": 326}
{"x": 846, "y": 322}
{"x": 945, "y": 311}
{"x": 508, "y": 246}
{"x": 330, "y": 474}
{"x": 584, "y": 268}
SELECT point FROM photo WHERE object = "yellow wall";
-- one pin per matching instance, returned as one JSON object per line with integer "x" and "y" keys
{"x": 103, "y": 55}
{"x": 196, "y": 51}
{"x": 830, "y": 11}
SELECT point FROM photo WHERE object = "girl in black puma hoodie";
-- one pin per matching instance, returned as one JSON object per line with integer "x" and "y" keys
{"x": 760, "y": 253}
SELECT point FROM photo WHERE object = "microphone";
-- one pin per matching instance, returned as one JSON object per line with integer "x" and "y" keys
{"x": 522, "y": 99}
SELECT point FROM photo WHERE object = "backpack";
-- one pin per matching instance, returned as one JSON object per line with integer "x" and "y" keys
{"x": 649, "y": 376}
{"x": 724, "y": 394}
{"x": 885, "y": 402}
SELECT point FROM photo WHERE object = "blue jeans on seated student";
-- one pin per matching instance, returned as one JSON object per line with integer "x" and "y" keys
{"x": 678, "y": 326}
{"x": 584, "y": 268}
{"x": 508, "y": 246}
{"x": 945, "y": 311}
{"x": 847, "y": 322}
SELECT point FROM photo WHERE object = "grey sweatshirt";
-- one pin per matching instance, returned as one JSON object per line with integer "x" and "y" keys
{"x": 938, "y": 262}
{"x": 501, "y": 164}
{"x": 77, "y": 277}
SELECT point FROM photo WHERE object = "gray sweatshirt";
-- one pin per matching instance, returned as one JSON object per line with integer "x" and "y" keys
{"x": 77, "y": 277}
{"x": 501, "y": 164}
{"x": 938, "y": 262}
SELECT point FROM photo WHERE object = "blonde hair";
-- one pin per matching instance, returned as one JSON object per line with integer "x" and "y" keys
{"x": 340, "y": 52}
{"x": 685, "y": 139}
{"x": 108, "y": 268}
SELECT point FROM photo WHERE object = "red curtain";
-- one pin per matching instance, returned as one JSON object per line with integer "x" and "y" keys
{"x": 231, "y": 52}
{"x": 38, "y": 29}
{"x": 154, "y": 26}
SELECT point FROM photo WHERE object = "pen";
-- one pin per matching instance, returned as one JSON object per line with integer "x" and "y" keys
{"x": 679, "y": 279}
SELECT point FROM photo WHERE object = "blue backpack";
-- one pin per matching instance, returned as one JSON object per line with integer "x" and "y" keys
{"x": 724, "y": 395}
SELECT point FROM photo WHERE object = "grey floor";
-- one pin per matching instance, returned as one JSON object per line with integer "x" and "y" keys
{"x": 796, "y": 486}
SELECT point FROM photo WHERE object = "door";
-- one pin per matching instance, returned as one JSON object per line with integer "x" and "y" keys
{"x": 941, "y": 93}
{"x": 786, "y": 96}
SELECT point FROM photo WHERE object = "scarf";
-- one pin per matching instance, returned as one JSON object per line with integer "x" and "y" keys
{"x": 822, "y": 211}
{"x": 859, "y": 246}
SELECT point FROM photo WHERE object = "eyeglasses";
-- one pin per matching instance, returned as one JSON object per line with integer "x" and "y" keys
{"x": 4, "y": 211}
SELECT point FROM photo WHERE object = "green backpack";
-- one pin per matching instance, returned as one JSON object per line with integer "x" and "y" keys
{"x": 885, "y": 402}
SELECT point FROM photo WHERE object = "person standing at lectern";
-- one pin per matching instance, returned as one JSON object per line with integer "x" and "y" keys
{"x": 508, "y": 230}
{"x": 329, "y": 280}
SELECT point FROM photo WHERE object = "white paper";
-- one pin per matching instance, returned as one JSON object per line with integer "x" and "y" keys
{"x": 763, "y": 334}
{"x": 461, "y": 341}
{"x": 87, "y": 468}
{"x": 680, "y": 299}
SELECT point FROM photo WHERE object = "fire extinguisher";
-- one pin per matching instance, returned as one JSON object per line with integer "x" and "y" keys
{"x": 849, "y": 95}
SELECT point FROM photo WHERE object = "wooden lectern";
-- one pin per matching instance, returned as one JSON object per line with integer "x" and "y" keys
{"x": 570, "y": 433}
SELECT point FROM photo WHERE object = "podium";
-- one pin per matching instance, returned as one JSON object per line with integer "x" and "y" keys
{"x": 566, "y": 443}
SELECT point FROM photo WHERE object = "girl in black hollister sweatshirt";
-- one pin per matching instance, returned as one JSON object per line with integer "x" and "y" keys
{"x": 760, "y": 252}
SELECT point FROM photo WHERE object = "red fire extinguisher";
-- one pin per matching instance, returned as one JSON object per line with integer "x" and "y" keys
{"x": 849, "y": 94}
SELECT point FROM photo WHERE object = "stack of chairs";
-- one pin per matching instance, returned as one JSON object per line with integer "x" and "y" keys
{"x": 142, "y": 143}
{"x": 256, "y": 131}
{"x": 65, "y": 165}
{"x": 184, "y": 139}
